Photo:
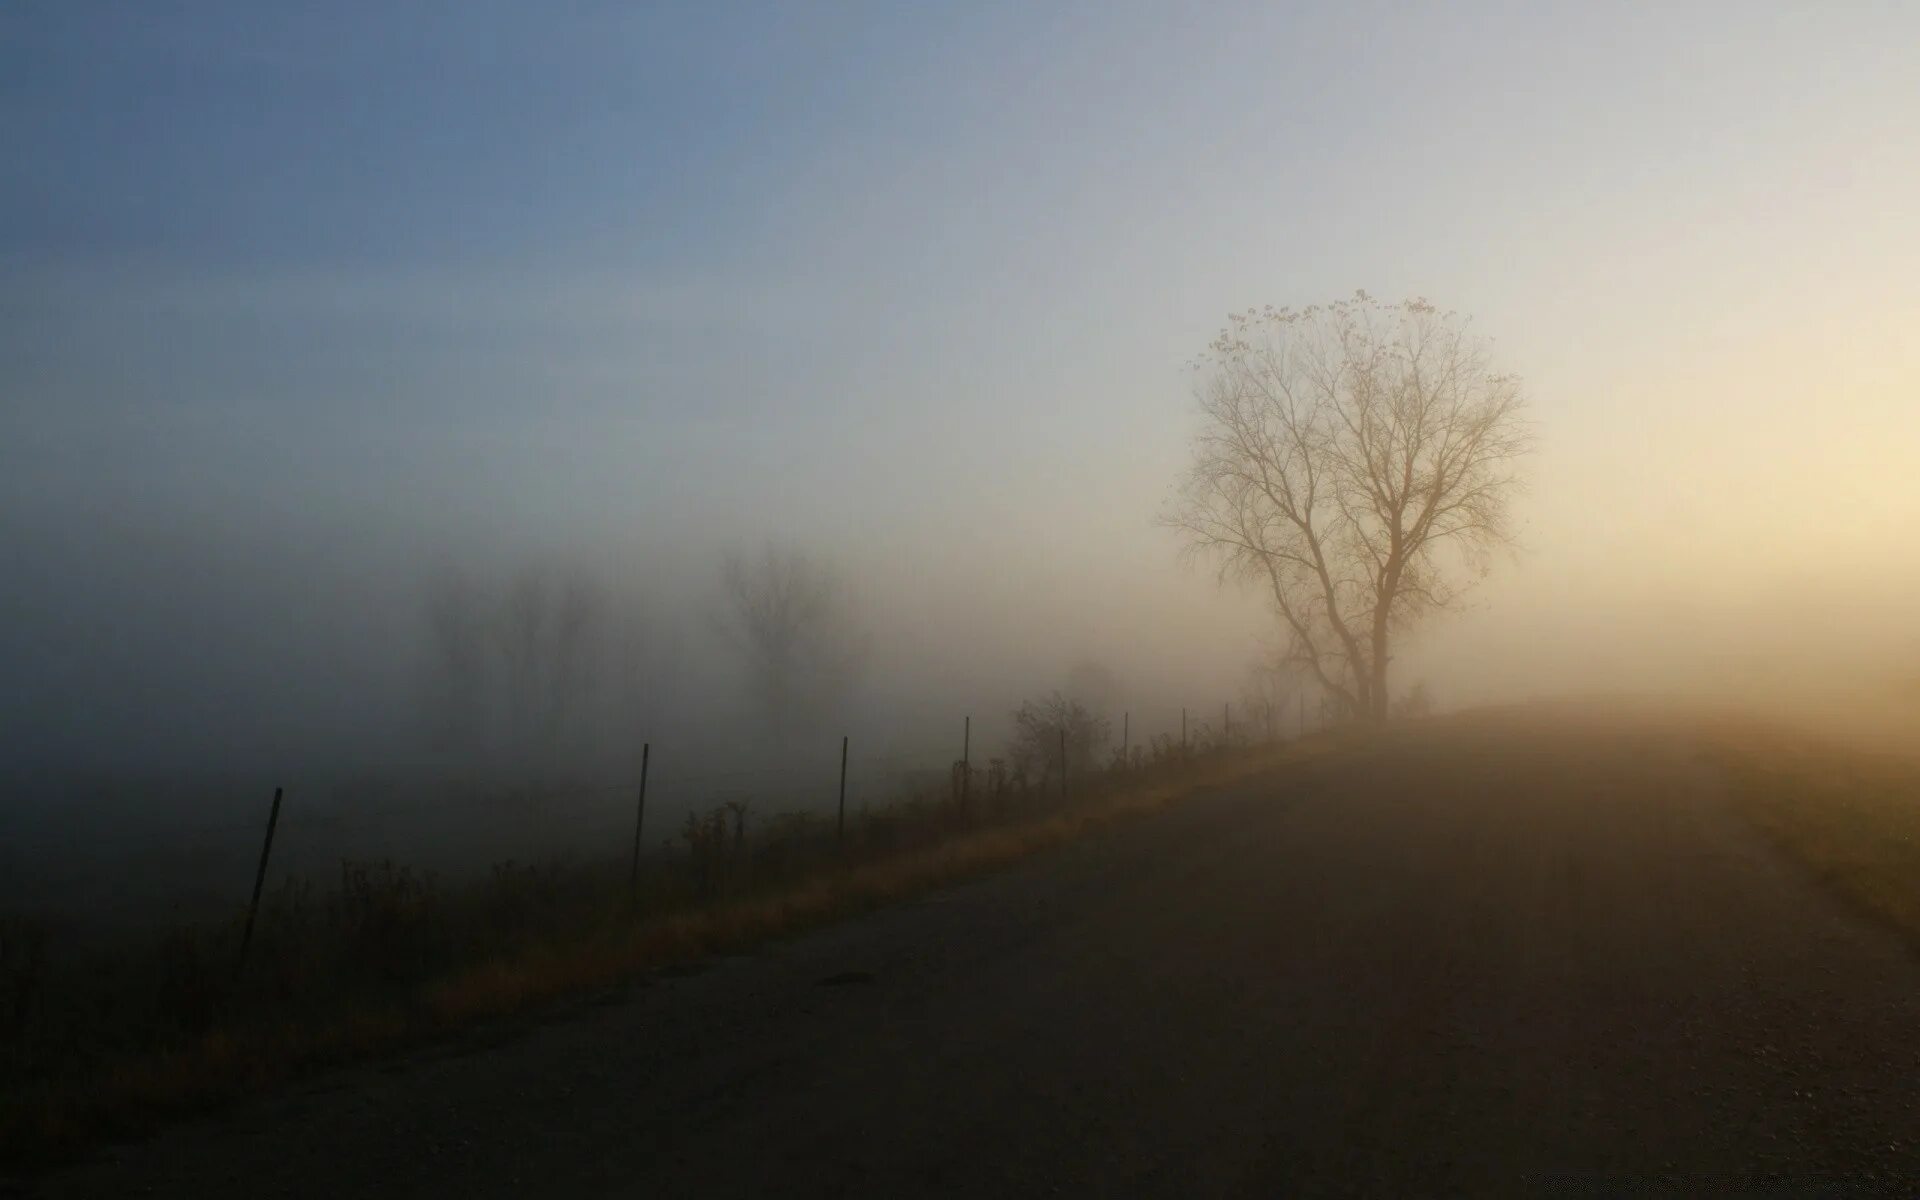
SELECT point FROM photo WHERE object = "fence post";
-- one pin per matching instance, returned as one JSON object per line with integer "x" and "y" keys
{"x": 639, "y": 819}
{"x": 259, "y": 881}
{"x": 966, "y": 764}
{"x": 840, "y": 829}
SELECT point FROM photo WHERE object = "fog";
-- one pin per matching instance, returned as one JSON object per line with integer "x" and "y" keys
{"x": 301, "y": 320}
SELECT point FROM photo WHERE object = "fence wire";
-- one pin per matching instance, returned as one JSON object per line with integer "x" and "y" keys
{"x": 134, "y": 851}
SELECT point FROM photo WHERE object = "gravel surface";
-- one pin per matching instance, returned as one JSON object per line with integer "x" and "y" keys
{"x": 1523, "y": 957}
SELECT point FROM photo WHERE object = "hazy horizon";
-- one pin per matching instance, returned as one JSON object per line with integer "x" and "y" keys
{"x": 297, "y": 311}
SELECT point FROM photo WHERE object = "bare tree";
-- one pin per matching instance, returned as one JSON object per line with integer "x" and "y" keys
{"x": 549, "y": 633}
{"x": 517, "y": 666}
{"x": 1356, "y": 460}
{"x": 1418, "y": 702}
{"x": 792, "y": 620}
{"x": 1037, "y": 740}
{"x": 457, "y": 667}
{"x": 1264, "y": 695}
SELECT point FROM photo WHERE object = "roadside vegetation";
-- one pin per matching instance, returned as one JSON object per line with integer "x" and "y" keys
{"x": 110, "y": 1045}
{"x": 1851, "y": 815}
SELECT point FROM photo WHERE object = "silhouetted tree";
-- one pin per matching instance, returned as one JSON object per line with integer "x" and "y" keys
{"x": 520, "y": 665}
{"x": 1355, "y": 460}
{"x": 457, "y": 666}
{"x": 791, "y": 619}
{"x": 1037, "y": 726}
{"x": 549, "y": 632}
{"x": 1263, "y": 698}
{"x": 1418, "y": 702}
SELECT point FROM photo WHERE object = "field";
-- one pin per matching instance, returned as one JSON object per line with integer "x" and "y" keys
{"x": 121, "y": 1035}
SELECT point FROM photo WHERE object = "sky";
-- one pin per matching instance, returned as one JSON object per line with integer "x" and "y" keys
{"x": 296, "y": 300}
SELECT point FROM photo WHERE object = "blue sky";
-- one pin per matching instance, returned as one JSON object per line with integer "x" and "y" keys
{"x": 245, "y": 135}
{"x": 912, "y": 282}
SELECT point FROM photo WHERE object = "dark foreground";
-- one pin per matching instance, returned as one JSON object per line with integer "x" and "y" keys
{"x": 1513, "y": 957}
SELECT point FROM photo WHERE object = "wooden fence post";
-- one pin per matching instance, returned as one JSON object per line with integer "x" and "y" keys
{"x": 840, "y": 829}
{"x": 966, "y": 764}
{"x": 639, "y": 819}
{"x": 259, "y": 881}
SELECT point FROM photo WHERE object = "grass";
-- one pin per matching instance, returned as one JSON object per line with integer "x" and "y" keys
{"x": 113, "y": 1047}
{"x": 1851, "y": 816}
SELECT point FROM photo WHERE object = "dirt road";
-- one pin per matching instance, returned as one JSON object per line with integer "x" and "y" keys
{"x": 1521, "y": 955}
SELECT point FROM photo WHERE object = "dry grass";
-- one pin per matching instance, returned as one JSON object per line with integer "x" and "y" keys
{"x": 403, "y": 971}
{"x": 1852, "y": 816}
{"x": 501, "y": 987}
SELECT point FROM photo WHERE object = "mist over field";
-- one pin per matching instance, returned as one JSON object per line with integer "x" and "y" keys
{"x": 996, "y": 599}
{"x": 333, "y": 353}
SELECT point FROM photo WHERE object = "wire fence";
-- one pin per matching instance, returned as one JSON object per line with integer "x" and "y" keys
{"x": 280, "y": 915}
{"x": 134, "y": 856}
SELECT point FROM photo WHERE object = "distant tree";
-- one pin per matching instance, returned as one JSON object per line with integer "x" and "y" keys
{"x": 516, "y": 666}
{"x": 549, "y": 633}
{"x": 458, "y": 660}
{"x": 1418, "y": 702}
{"x": 1263, "y": 698}
{"x": 791, "y": 619}
{"x": 1037, "y": 729}
{"x": 1356, "y": 460}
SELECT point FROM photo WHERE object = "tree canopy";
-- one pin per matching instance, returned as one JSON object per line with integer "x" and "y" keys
{"x": 1356, "y": 460}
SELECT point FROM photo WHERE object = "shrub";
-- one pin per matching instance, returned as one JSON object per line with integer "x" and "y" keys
{"x": 1043, "y": 728}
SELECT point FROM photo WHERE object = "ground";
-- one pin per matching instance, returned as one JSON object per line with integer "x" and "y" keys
{"x": 1499, "y": 956}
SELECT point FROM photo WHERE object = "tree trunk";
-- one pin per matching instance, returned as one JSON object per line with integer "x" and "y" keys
{"x": 1388, "y": 588}
{"x": 1380, "y": 705}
